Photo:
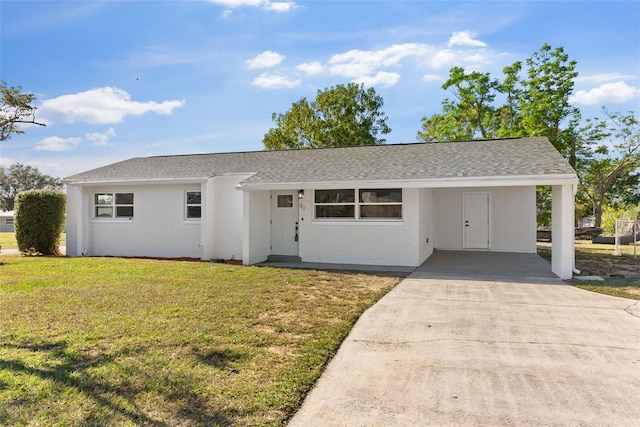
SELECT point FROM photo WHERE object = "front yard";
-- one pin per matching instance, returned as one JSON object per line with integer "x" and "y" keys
{"x": 108, "y": 341}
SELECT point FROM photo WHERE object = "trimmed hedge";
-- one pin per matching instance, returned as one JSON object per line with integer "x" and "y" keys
{"x": 39, "y": 220}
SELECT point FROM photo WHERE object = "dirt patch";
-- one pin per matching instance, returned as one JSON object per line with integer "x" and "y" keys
{"x": 594, "y": 259}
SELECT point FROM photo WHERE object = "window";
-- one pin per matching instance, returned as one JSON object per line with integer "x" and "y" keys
{"x": 335, "y": 203}
{"x": 8, "y": 221}
{"x": 370, "y": 204}
{"x": 194, "y": 205}
{"x": 285, "y": 200}
{"x": 386, "y": 203}
{"x": 114, "y": 205}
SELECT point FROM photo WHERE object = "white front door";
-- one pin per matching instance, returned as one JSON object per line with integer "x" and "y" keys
{"x": 475, "y": 221}
{"x": 284, "y": 223}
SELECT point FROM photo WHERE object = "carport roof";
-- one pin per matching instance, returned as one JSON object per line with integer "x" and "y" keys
{"x": 499, "y": 158}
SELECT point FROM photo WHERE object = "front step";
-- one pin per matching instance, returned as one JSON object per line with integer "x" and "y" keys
{"x": 283, "y": 258}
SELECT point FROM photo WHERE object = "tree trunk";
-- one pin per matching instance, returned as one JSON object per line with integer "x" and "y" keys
{"x": 597, "y": 213}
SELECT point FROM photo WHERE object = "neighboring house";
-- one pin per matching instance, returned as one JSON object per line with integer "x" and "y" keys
{"x": 7, "y": 221}
{"x": 385, "y": 204}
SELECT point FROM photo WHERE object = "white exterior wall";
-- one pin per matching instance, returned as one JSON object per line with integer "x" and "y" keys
{"x": 426, "y": 232}
{"x": 512, "y": 220}
{"x": 227, "y": 217}
{"x": 256, "y": 231}
{"x": 393, "y": 242}
{"x": 158, "y": 228}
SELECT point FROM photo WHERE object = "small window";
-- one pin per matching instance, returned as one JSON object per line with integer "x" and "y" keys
{"x": 114, "y": 205}
{"x": 285, "y": 200}
{"x": 194, "y": 204}
{"x": 8, "y": 221}
{"x": 335, "y": 203}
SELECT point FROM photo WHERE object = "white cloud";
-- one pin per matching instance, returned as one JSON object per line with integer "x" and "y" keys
{"x": 382, "y": 78}
{"x": 600, "y": 78}
{"x": 357, "y": 63}
{"x": 616, "y": 92}
{"x": 55, "y": 143}
{"x": 280, "y": 6}
{"x": 102, "y": 106}
{"x": 277, "y": 6}
{"x": 446, "y": 58}
{"x": 101, "y": 139}
{"x": 432, "y": 78}
{"x": 311, "y": 68}
{"x": 274, "y": 81}
{"x": 266, "y": 59}
{"x": 465, "y": 38}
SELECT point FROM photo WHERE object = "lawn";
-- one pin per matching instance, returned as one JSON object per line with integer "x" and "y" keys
{"x": 621, "y": 273}
{"x": 109, "y": 341}
{"x": 8, "y": 240}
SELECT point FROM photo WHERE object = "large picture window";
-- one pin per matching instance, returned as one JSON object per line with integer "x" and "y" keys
{"x": 114, "y": 205}
{"x": 193, "y": 204}
{"x": 369, "y": 204}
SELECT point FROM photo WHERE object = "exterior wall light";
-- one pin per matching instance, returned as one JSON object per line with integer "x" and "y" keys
{"x": 300, "y": 194}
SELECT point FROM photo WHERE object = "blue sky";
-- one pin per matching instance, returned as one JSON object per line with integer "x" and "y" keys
{"x": 122, "y": 79}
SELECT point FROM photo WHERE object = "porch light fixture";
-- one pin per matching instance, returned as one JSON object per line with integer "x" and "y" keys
{"x": 300, "y": 194}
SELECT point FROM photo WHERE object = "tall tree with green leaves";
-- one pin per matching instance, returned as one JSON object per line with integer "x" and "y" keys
{"x": 469, "y": 114}
{"x": 17, "y": 178}
{"x": 344, "y": 115}
{"x": 536, "y": 104}
{"x": 544, "y": 104}
{"x": 609, "y": 165}
{"x": 15, "y": 108}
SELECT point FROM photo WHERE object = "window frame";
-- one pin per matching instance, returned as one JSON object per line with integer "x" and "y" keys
{"x": 113, "y": 205}
{"x": 187, "y": 205}
{"x": 341, "y": 192}
{"x": 362, "y": 204}
{"x": 358, "y": 204}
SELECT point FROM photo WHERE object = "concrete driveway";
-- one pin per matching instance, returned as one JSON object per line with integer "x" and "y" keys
{"x": 484, "y": 339}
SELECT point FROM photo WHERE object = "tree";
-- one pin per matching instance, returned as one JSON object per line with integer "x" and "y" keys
{"x": 537, "y": 105}
{"x": 469, "y": 115}
{"x": 17, "y": 178}
{"x": 608, "y": 168}
{"x": 339, "y": 116}
{"x": 15, "y": 108}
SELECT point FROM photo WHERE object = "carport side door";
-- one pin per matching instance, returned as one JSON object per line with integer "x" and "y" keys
{"x": 475, "y": 222}
{"x": 284, "y": 223}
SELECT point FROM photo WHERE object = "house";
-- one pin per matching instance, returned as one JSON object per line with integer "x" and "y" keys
{"x": 386, "y": 204}
{"x": 7, "y": 221}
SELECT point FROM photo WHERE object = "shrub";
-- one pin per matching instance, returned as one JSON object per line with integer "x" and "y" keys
{"x": 39, "y": 220}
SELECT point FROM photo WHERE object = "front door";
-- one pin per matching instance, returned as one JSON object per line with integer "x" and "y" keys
{"x": 476, "y": 220}
{"x": 284, "y": 223}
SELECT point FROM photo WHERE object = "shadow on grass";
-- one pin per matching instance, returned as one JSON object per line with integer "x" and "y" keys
{"x": 69, "y": 372}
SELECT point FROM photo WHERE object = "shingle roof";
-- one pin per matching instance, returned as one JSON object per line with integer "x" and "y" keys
{"x": 428, "y": 161}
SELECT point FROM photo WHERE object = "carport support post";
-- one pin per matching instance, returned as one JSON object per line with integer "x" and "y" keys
{"x": 562, "y": 231}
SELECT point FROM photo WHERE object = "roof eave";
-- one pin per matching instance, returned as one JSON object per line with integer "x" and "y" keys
{"x": 453, "y": 182}
{"x": 137, "y": 181}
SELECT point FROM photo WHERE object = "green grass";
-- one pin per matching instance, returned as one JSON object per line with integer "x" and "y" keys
{"x": 8, "y": 240}
{"x": 108, "y": 341}
{"x": 621, "y": 273}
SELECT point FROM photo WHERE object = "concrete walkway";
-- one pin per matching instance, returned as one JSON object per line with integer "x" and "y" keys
{"x": 484, "y": 339}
